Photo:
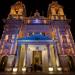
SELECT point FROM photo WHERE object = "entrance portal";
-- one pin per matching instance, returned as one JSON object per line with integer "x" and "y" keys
{"x": 37, "y": 60}
{"x": 37, "y": 55}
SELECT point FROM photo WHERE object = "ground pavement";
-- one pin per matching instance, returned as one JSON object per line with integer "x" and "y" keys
{"x": 37, "y": 73}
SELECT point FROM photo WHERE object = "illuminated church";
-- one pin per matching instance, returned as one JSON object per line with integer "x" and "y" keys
{"x": 46, "y": 42}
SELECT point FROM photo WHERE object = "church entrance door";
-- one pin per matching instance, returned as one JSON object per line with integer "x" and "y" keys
{"x": 37, "y": 60}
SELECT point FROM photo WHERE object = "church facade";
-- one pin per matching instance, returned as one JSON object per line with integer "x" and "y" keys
{"x": 46, "y": 42}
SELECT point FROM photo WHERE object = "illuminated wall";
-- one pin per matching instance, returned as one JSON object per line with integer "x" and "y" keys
{"x": 54, "y": 29}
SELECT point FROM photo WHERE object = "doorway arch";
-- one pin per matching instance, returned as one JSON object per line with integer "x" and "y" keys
{"x": 3, "y": 63}
{"x": 71, "y": 63}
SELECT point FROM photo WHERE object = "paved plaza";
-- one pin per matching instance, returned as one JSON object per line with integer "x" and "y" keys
{"x": 37, "y": 73}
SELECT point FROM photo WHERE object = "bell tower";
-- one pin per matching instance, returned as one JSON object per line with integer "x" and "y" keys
{"x": 55, "y": 11}
{"x": 17, "y": 10}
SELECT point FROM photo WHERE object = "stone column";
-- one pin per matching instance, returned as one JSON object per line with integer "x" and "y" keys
{"x": 17, "y": 55}
{"x": 56, "y": 54}
{"x": 25, "y": 59}
{"x": 49, "y": 61}
{"x": 52, "y": 56}
{"x": 21, "y": 57}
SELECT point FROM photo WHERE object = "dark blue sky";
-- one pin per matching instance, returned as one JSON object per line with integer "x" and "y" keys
{"x": 41, "y": 5}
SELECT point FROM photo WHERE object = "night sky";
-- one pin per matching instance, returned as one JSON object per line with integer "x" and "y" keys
{"x": 41, "y": 6}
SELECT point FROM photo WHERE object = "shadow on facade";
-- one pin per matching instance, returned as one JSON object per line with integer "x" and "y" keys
{"x": 71, "y": 63}
{"x": 3, "y": 63}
